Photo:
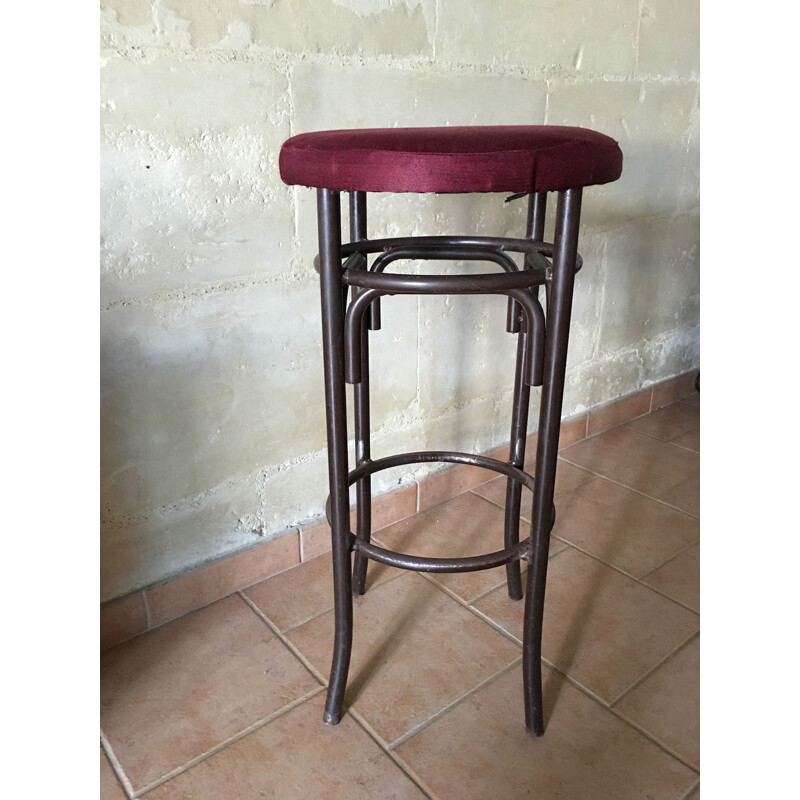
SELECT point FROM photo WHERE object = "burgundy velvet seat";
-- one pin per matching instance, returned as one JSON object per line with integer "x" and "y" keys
{"x": 506, "y": 158}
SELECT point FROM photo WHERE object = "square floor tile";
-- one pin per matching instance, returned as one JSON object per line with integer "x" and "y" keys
{"x": 295, "y": 757}
{"x": 110, "y": 788}
{"x": 480, "y": 750}
{"x": 668, "y": 423}
{"x": 176, "y": 692}
{"x": 689, "y": 440}
{"x": 567, "y": 479}
{"x": 305, "y": 591}
{"x": 604, "y": 630}
{"x": 467, "y": 525}
{"x": 680, "y": 578}
{"x": 122, "y": 619}
{"x": 623, "y": 528}
{"x": 667, "y": 703}
{"x": 685, "y": 495}
{"x": 655, "y": 468}
{"x": 692, "y": 399}
{"x": 415, "y": 651}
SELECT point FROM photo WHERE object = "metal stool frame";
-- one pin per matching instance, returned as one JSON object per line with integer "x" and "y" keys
{"x": 541, "y": 360}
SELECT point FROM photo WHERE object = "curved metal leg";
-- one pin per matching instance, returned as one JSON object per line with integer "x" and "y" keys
{"x": 358, "y": 232}
{"x": 555, "y": 358}
{"x": 329, "y": 222}
{"x": 537, "y": 205}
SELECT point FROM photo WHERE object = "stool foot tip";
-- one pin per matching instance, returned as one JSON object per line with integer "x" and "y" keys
{"x": 330, "y": 718}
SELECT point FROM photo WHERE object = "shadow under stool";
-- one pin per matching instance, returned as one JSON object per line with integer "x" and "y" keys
{"x": 521, "y": 160}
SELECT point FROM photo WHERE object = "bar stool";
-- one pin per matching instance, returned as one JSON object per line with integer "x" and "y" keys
{"x": 520, "y": 160}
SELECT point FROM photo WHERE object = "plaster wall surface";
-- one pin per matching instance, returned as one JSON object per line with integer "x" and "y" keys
{"x": 213, "y": 431}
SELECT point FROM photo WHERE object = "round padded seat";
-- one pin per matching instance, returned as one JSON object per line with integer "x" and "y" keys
{"x": 498, "y": 158}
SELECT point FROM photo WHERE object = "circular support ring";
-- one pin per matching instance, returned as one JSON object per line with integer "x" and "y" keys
{"x": 424, "y": 564}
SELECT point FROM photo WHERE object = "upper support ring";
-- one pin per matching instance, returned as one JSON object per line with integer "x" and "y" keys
{"x": 516, "y": 285}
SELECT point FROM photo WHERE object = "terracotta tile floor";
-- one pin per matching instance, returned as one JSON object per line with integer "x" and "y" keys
{"x": 226, "y": 702}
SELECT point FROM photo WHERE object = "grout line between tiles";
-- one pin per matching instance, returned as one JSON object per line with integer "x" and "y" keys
{"x": 604, "y": 705}
{"x": 147, "y": 617}
{"x": 401, "y": 765}
{"x": 640, "y": 680}
{"x": 687, "y": 402}
{"x": 569, "y": 679}
{"x": 502, "y": 583}
{"x": 439, "y": 714}
{"x": 682, "y": 447}
{"x": 599, "y": 560}
{"x": 127, "y": 786}
{"x": 576, "y": 684}
{"x": 303, "y": 622}
{"x": 670, "y": 597}
{"x": 691, "y": 791}
{"x": 659, "y": 438}
{"x": 656, "y": 741}
{"x": 636, "y": 491}
{"x": 297, "y": 625}
{"x": 205, "y": 603}
{"x": 523, "y": 517}
{"x": 231, "y": 740}
{"x": 475, "y": 611}
{"x": 671, "y": 558}
{"x": 274, "y": 628}
{"x": 628, "y": 575}
{"x": 354, "y": 714}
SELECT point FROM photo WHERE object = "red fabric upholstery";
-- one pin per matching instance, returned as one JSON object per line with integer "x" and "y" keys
{"x": 517, "y": 158}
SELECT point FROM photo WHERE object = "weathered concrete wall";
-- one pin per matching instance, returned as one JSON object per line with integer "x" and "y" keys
{"x": 213, "y": 432}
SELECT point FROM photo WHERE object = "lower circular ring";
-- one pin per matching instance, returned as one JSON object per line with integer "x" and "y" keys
{"x": 421, "y": 563}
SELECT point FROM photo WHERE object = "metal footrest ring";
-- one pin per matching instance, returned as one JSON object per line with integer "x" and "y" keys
{"x": 424, "y": 564}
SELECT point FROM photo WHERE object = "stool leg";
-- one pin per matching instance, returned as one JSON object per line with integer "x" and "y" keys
{"x": 516, "y": 456}
{"x": 555, "y": 358}
{"x": 329, "y": 221}
{"x": 358, "y": 232}
{"x": 537, "y": 205}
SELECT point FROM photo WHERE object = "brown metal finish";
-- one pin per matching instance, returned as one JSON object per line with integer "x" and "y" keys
{"x": 442, "y": 284}
{"x": 329, "y": 224}
{"x": 558, "y": 317}
{"x": 541, "y": 360}
{"x": 439, "y": 565}
{"x": 537, "y": 206}
{"x": 358, "y": 232}
{"x": 450, "y": 251}
{"x": 510, "y": 244}
{"x": 511, "y": 553}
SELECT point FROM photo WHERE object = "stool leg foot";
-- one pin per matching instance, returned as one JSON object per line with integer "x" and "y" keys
{"x": 329, "y": 220}
{"x": 532, "y": 652}
{"x": 555, "y": 360}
